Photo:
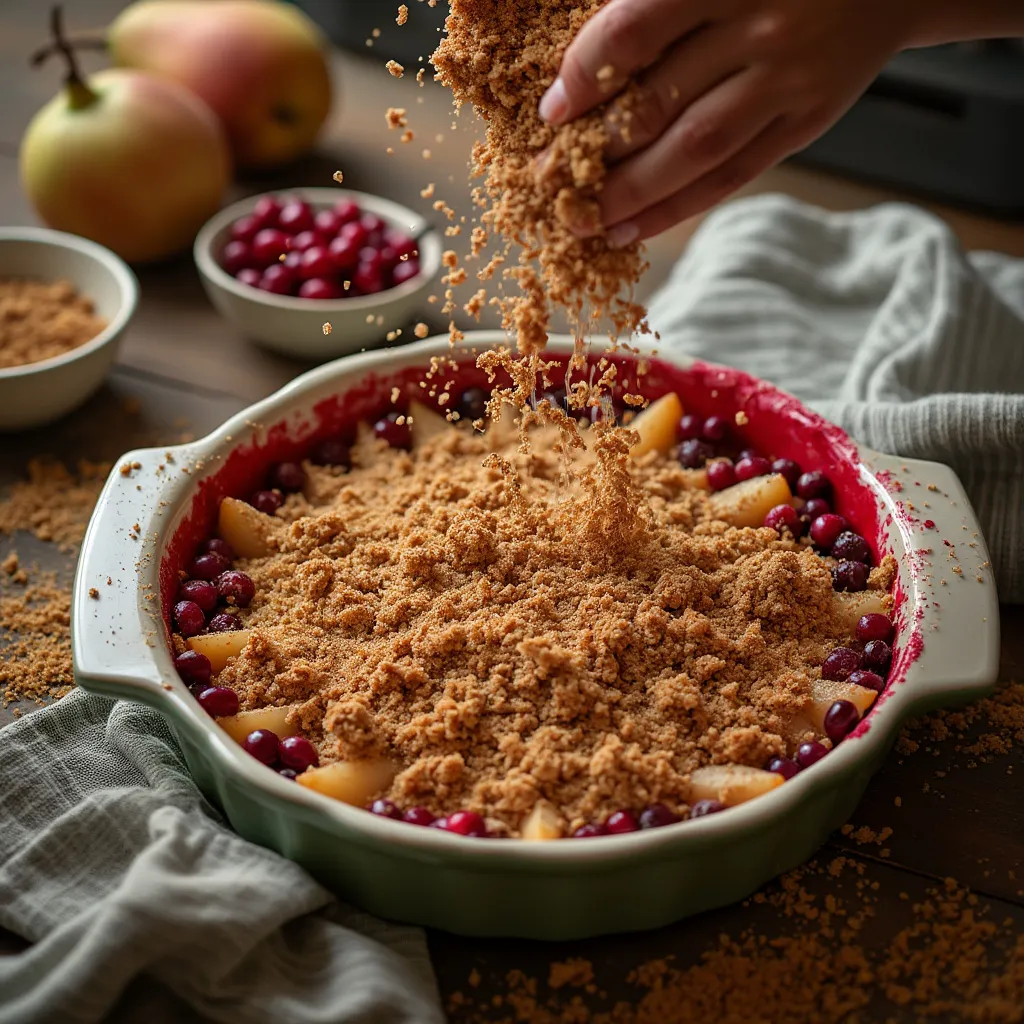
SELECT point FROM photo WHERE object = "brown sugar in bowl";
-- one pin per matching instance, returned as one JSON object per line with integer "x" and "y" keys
{"x": 39, "y": 392}
{"x": 946, "y": 650}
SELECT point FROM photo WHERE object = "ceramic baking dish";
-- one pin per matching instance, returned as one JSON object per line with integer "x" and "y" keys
{"x": 147, "y": 525}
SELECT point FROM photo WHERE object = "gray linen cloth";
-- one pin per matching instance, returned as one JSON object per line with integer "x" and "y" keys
{"x": 124, "y": 877}
{"x": 882, "y": 323}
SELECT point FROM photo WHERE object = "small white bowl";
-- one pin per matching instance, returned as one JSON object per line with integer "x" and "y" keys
{"x": 38, "y": 393}
{"x": 294, "y": 326}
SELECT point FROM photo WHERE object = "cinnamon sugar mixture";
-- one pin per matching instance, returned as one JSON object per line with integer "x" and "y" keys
{"x": 501, "y": 56}
{"x": 505, "y": 637}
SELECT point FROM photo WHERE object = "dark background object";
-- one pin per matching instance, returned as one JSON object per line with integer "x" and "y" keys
{"x": 947, "y": 121}
{"x": 349, "y": 23}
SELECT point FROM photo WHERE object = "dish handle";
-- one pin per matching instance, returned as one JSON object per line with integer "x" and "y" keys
{"x": 948, "y": 579}
{"x": 118, "y": 636}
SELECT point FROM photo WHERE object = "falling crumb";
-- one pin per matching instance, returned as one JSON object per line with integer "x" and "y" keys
{"x": 421, "y": 330}
{"x": 94, "y": 593}
{"x": 428, "y": 192}
{"x": 395, "y": 68}
{"x": 408, "y": 135}
{"x": 606, "y": 73}
{"x": 339, "y": 177}
{"x": 396, "y": 117}
{"x": 327, "y": 328}
{"x": 741, "y": 419}
{"x": 403, "y": 15}
{"x": 426, "y": 154}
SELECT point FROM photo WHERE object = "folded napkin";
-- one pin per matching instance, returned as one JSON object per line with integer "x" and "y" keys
{"x": 879, "y": 321}
{"x": 126, "y": 879}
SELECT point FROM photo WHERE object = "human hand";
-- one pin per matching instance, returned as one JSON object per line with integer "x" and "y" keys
{"x": 728, "y": 88}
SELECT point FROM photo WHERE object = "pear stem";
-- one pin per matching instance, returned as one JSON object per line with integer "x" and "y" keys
{"x": 79, "y": 93}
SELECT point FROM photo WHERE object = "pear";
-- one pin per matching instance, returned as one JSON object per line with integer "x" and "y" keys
{"x": 259, "y": 64}
{"x": 132, "y": 161}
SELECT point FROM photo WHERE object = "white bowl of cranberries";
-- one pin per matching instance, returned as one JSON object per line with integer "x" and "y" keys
{"x": 282, "y": 265}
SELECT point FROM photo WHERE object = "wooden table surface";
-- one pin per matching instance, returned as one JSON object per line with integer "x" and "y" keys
{"x": 183, "y": 362}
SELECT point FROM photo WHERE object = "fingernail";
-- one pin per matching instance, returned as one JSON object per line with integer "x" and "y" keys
{"x": 555, "y": 104}
{"x": 622, "y": 235}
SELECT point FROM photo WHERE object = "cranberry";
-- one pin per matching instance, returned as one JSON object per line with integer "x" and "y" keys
{"x": 440, "y": 823}
{"x": 418, "y": 816}
{"x": 721, "y": 474}
{"x": 298, "y": 753}
{"x": 347, "y": 210}
{"x": 267, "y": 502}
{"x": 840, "y": 719}
{"x": 355, "y": 233}
{"x": 385, "y": 809}
{"x": 406, "y": 271}
{"x": 244, "y": 229}
{"x": 225, "y": 622}
{"x": 278, "y": 280}
{"x": 840, "y": 663}
{"x": 402, "y": 244}
{"x": 689, "y": 427}
{"x": 877, "y": 656}
{"x": 288, "y": 773}
{"x": 657, "y": 816}
{"x": 208, "y": 566}
{"x": 219, "y": 701}
{"x": 715, "y": 428}
{"x": 317, "y": 261}
{"x": 263, "y": 745}
{"x": 814, "y": 508}
{"x": 850, "y": 576}
{"x": 748, "y": 453}
{"x": 783, "y": 766}
{"x": 693, "y": 454}
{"x": 467, "y": 823}
{"x": 397, "y": 435}
{"x": 220, "y": 547}
{"x": 237, "y": 588}
{"x": 331, "y": 451}
{"x": 388, "y": 258}
{"x": 813, "y": 485}
{"x": 371, "y": 222}
{"x": 295, "y": 217}
{"x": 784, "y": 517}
{"x": 703, "y": 807}
{"x": 788, "y": 469}
{"x": 472, "y": 404}
{"x": 590, "y": 830}
{"x": 874, "y": 626}
{"x": 851, "y": 547}
{"x": 751, "y": 466}
{"x": 292, "y": 261}
{"x": 249, "y": 276}
{"x": 306, "y": 240}
{"x": 810, "y": 753}
{"x": 194, "y": 668}
{"x": 620, "y": 822}
{"x": 200, "y": 592}
{"x": 344, "y": 253}
{"x": 870, "y": 680}
{"x": 368, "y": 279}
{"x": 287, "y": 476}
{"x": 268, "y": 246}
{"x": 321, "y": 289}
{"x": 826, "y": 529}
{"x": 328, "y": 222}
{"x": 266, "y": 211}
{"x": 237, "y": 255}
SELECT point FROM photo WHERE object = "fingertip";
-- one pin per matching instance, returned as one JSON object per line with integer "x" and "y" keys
{"x": 554, "y": 106}
{"x": 623, "y": 234}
